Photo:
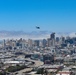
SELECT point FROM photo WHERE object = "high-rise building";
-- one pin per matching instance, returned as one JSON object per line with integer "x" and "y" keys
{"x": 40, "y": 44}
{"x": 62, "y": 40}
{"x": 44, "y": 42}
{"x": 36, "y": 42}
{"x": 57, "y": 41}
{"x": 30, "y": 43}
{"x": 4, "y": 43}
{"x": 49, "y": 42}
{"x": 52, "y": 37}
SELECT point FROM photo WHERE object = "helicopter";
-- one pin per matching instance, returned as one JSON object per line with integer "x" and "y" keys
{"x": 37, "y": 27}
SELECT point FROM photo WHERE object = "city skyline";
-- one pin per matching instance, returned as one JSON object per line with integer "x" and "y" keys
{"x": 25, "y": 15}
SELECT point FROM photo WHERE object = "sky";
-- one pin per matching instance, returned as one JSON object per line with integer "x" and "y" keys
{"x": 49, "y": 15}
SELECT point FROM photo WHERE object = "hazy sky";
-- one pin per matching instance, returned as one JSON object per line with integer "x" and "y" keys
{"x": 51, "y": 15}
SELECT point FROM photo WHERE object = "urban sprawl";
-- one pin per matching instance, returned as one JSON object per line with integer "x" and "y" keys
{"x": 51, "y": 56}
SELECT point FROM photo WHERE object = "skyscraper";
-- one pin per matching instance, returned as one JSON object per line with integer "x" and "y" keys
{"x": 36, "y": 43}
{"x": 30, "y": 43}
{"x": 44, "y": 42}
{"x": 52, "y": 37}
{"x": 62, "y": 40}
{"x": 4, "y": 43}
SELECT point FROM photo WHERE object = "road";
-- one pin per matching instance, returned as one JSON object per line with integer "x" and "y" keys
{"x": 37, "y": 64}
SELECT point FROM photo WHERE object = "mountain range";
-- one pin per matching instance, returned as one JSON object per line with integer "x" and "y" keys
{"x": 32, "y": 35}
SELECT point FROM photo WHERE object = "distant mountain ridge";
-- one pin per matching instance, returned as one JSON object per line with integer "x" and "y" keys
{"x": 32, "y": 35}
